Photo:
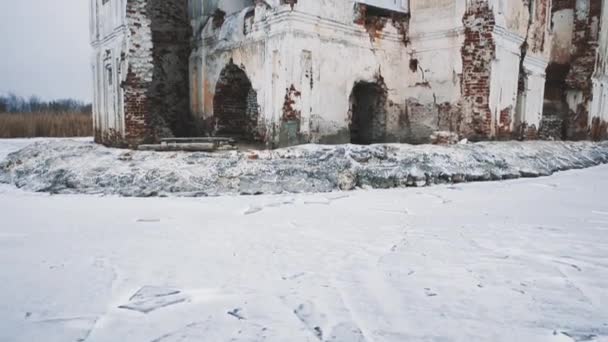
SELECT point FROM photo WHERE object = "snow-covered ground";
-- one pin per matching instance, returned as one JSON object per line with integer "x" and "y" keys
{"x": 519, "y": 260}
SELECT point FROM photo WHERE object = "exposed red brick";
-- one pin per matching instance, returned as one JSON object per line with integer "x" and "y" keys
{"x": 478, "y": 52}
{"x": 599, "y": 129}
{"x": 503, "y": 130}
{"x": 374, "y": 20}
{"x": 289, "y": 112}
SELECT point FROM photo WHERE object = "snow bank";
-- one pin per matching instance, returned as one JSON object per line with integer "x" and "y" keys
{"x": 84, "y": 167}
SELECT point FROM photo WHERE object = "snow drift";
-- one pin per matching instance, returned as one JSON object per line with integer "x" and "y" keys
{"x": 84, "y": 167}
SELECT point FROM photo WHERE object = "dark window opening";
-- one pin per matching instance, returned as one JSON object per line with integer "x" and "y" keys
{"x": 291, "y": 3}
{"x": 368, "y": 109}
{"x": 413, "y": 65}
{"x": 218, "y": 18}
{"x": 249, "y": 21}
{"x": 235, "y": 105}
{"x": 555, "y": 107}
{"x": 110, "y": 75}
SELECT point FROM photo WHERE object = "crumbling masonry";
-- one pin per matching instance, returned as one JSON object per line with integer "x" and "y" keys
{"x": 284, "y": 72}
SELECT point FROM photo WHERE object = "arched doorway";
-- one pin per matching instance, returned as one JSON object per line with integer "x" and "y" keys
{"x": 368, "y": 108}
{"x": 235, "y": 104}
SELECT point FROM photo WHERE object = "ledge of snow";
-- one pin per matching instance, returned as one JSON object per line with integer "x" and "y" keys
{"x": 64, "y": 166}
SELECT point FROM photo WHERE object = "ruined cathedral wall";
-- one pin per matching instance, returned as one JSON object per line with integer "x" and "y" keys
{"x": 534, "y": 57}
{"x": 574, "y": 97}
{"x": 496, "y": 54}
{"x": 168, "y": 92}
{"x": 302, "y": 88}
{"x": 109, "y": 40}
{"x": 140, "y": 70}
{"x": 415, "y": 69}
{"x": 415, "y": 58}
{"x": 520, "y": 36}
{"x": 326, "y": 57}
{"x": 156, "y": 86}
{"x": 314, "y": 92}
{"x": 475, "y": 68}
{"x": 599, "y": 104}
{"x": 331, "y": 56}
{"x": 223, "y": 43}
{"x": 430, "y": 93}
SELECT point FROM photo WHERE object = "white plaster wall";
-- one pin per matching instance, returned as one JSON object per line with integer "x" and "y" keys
{"x": 109, "y": 40}
{"x": 599, "y": 103}
{"x": 535, "y": 92}
{"x": 436, "y": 40}
{"x": 562, "y": 34}
{"x": 334, "y": 78}
{"x": 505, "y": 76}
{"x": 512, "y": 30}
{"x": 341, "y": 54}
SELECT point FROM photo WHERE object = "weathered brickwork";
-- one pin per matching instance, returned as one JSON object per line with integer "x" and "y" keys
{"x": 537, "y": 36}
{"x": 558, "y": 5}
{"x": 139, "y": 73}
{"x": 375, "y": 20}
{"x": 478, "y": 51}
{"x": 168, "y": 93}
{"x": 552, "y": 128}
{"x": 291, "y": 118}
{"x": 526, "y": 132}
{"x": 504, "y": 123}
{"x": 154, "y": 87}
{"x": 599, "y": 129}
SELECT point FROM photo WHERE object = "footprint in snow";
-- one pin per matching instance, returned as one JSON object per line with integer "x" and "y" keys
{"x": 148, "y": 220}
{"x": 256, "y": 208}
{"x": 577, "y": 336}
{"x": 252, "y": 210}
{"x": 346, "y": 332}
{"x": 237, "y": 313}
{"x": 429, "y": 293}
{"x": 326, "y": 200}
{"x": 312, "y": 319}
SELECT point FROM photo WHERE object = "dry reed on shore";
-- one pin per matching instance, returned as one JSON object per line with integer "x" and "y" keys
{"x": 30, "y": 125}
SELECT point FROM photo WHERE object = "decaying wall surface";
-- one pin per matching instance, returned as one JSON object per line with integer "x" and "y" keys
{"x": 285, "y": 72}
{"x": 283, "y": 50}
{"x": 109, "y": 34}
{"x": 599, "y": 104}
{"x": 478, "y": 54}
{"x": 140, "y": 70}
{"x": 576, "y": 77}
{"x": 475, "y": 69}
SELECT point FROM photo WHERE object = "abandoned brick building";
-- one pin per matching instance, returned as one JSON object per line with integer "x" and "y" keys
{"x": 285, "y": 72}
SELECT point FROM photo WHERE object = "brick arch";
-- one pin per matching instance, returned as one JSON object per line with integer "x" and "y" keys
{"x": 235, "y": 105}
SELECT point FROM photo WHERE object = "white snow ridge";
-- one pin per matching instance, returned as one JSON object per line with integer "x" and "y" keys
{"x": 70, "y": 167}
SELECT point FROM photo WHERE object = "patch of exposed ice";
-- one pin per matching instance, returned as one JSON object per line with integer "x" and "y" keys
{"x": 150, "y": 298}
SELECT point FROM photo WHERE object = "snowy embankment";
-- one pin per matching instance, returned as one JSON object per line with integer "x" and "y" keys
{"x": 65, "y": 166}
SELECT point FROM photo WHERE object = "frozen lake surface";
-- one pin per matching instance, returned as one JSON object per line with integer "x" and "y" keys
{"x": 519, "y": 260}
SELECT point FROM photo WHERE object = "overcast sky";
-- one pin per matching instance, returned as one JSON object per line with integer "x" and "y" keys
{"x": 44, "y": 48}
